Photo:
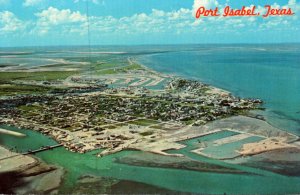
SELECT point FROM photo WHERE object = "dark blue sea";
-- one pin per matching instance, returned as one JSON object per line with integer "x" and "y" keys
{"x": 270, "y": 72}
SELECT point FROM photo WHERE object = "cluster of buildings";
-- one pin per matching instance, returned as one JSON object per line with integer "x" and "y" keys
{"x": 87, "y": 121}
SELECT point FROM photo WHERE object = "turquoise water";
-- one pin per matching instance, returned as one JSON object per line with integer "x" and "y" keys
{"x": 262, "y": 182}
{"x": 228, "y": 150}
{"x": 270, "y": 72}
{"x": 26, "y": 62}
{"x": 23, "y": 144}
{"x": 192, "y": 144}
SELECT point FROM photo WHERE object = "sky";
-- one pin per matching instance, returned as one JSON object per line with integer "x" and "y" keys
{"x": 139, "y": 22}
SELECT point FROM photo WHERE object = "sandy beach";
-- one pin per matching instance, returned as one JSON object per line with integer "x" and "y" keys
{"x": 33, "y": 176}
{"x": 12, "y": 133}
{"x": 11, "y": 161}
{"x": 265, "y": 145}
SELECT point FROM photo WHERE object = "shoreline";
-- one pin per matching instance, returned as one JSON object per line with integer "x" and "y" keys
{"x": 59, "y": 134}
{"x": 174, "y": 74}
{"x": 27, "y": 174}
{"x": 8, "y": 132}
{"x": 156, "y": 147}
{"x": 268, "y": 114}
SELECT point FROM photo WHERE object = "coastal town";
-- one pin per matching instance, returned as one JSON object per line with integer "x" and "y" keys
{"x": 149, "y": 97}
{"x": 107, "y": 109}
{"x": 97, "y": 116}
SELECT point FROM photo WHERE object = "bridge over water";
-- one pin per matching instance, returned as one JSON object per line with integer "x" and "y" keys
{"x": 41, "y": 149}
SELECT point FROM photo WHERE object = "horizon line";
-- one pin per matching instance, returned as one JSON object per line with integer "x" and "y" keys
{"x": 127, "y": 45}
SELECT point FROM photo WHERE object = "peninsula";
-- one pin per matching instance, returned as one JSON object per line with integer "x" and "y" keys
{"x": 116, "y": 104}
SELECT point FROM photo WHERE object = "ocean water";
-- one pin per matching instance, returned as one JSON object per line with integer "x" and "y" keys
{"x": 269, "y": 72}
{"x": 257, "y": 182}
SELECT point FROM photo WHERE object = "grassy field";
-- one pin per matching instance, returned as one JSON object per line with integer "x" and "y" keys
{"x": 30, "y": 108}
{"x": 6, "y": 77}
{"x": 133, "y": 67}
{"x": 107, "y": 66}
{"x": 146, "y": 133}
{"x": 122, "y": 69}
{"x": 10, "y": 90}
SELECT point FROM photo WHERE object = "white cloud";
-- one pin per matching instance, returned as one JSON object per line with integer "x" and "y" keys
{"x": 179, "y": 14}
{"x": 208, "y": 4}
{"x": 279, "y": 22}
{"x": 52, "y": 17}
{"x": 102, "y": 2}
{"x": 294, "y": 5}
{"x": 158, "y": 13}
{"x": 177, "y": 21}
{"x": 9, "y": 22}
{"x": 157, "y": 21}
{"x": 67, "y": 22}
{"x": 28, "y": 3}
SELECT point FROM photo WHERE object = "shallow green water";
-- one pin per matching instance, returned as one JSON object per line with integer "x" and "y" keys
{"x": 174, "y": 179}
{"x": 229, "y": 150}
{"x": 192, "y": 144}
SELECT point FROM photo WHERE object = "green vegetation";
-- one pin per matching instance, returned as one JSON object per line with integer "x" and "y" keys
{"x": 188, "y": 104}
{"x": 143, "y": 122}
{"x": 206, "y": 107}
{"x": 146, "y": 133}
{"x": 189, "y": 122}
{"x": 7, "y": 65}
{"x": 30, "y": 108}
{"x": 107, "y": 66}
{"x": 205, "y": 89}
{"x": 111, "y": 127}
{"x": 62, "y": 66}
{"x": 240, "y": 112}
{"x": 182, "y": 83}
{"x": 108, "y": 71}
{"x": 73, "y": 127}
{"x": 9, "y": 90}
{"x": 133, "y": 67}
{"x": 157, "y": 127}
{"x": 122, "y": 69}
{"x": 7, "y": 77}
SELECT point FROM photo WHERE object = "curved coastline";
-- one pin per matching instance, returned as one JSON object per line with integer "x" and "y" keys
{"x": 132, "y": 168}
{"x": 106, "y": 167}
{"x": 277, "y": 119}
